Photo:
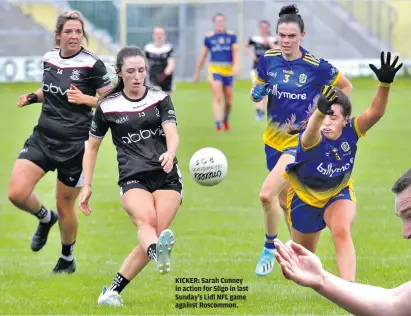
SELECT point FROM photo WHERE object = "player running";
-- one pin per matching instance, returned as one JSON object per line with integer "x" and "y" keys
{"x": 223, "y": 66}
{"x": 261, "y": 43}
{"x": 143, "y": 127}
{"x": 292, "y": 77}
{"x": 71, "y": 77}
{"x": 321, "y": 192}
{"x": 161, "y": 63}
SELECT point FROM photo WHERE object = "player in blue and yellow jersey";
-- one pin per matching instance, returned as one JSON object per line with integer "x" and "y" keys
{"x": 292, "y": 78}
{"x": 321, "y": 192}
{"x": 222, "y": 68}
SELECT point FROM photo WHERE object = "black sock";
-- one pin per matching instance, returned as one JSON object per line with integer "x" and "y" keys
{"x": 44, "y": 215}
{"x": 67, "y": 252}
{"x": 152, "y": 251}
{"x": 119, "y": 283}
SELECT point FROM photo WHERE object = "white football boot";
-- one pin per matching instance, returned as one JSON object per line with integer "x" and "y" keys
{"x": 110, "y": 298}
{"x": 165, "y": 244}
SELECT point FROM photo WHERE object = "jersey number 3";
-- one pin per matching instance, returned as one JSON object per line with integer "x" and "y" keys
{"x": 286, "y": 78}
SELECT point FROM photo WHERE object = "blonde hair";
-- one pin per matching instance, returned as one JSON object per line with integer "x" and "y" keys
{"x": 62, "y": 19}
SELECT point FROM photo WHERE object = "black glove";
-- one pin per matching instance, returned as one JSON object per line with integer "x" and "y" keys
{"x": 387, "y": 71}
{"x": 326, "y": 100}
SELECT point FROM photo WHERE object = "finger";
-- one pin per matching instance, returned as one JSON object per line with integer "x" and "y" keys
{"x": 287, "y": 273}
{"x": 278, "y": 257}
{"x": 388, "y": 59}
{"x": 299, "y": 250}
{"x": 161, "y": 157}
{"x": 283, "y": 251}
{"x": 73, "y": 87}
{"x": 395, "y": 61}
{"x": 398, "y": 67}
{"x": 331, "y": 95}
{"x": 82, "y": 208}
{"x": 164, "y": 161}
{"x": 382, "y": 59}
{"x": 373, "y": 68}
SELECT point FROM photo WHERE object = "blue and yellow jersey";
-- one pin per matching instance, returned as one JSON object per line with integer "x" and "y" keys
{"x": 320, "y": 172}
{"x": 294, "y": 86}
{"x": 221, "y": 46}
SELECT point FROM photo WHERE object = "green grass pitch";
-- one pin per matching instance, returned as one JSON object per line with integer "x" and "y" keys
{"x": 219, "y": 230}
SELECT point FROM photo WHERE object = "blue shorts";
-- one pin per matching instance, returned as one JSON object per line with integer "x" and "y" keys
{"x": 309, "y": 219}
{"x": 226, "y": 80}
{"x": 272, "y": 155}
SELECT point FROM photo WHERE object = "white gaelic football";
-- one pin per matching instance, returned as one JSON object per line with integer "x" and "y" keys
{"x": 208, "y": 166}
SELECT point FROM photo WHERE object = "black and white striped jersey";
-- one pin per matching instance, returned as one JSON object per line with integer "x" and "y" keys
{"x": 59, "y": 119}
{"x": 136, "y": 129}
{"x": 260, "y": 47}
{"x": 157, "y": 58}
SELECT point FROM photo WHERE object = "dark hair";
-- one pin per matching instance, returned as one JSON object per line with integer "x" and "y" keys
{"x": 125, "y": 52}
{"x": 217, "y": 15}
{"x": 265, "y": 22}
{"x": 343, "y": 101}
{"x": 289, "y": 14}
{"x": 402, "y": 183}
{"x": 62, "y": 19}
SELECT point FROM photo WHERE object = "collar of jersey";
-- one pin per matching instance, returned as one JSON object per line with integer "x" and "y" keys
{"x": 81, "y": 48}
{"x": 302, "y": 50}
{"x": 134, "y": 100}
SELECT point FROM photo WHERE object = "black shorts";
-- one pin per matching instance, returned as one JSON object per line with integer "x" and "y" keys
{"x": 69, "y": 171}
{"x": 166, "y": 85}
{"x": 152, "y": 181}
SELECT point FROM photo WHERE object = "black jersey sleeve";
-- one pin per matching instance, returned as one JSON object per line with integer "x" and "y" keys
{"x": 99, "y": 75}
{"x": 251, "y": 42}
{"x": 170, "y": 53}
{"x": 167, "y": 112}
{"x": 99, "y": 125}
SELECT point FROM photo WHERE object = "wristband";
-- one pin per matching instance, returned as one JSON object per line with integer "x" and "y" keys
{"x": 385, "y": 85}
{"x": 32, "y": 98}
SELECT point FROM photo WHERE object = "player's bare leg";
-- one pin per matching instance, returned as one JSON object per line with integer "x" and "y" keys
{"x": 269, "y": 196}
{"x": 228, "y": 97}
{"x": 24, "y": 178}
{"x": 339, "y": 217}
{"x": 217, "y": 90}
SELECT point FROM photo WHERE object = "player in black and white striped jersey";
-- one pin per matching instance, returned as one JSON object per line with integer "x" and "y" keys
{"x": 72, "y": 76}
{"x": 143, "y": 127}
{"x": 161, "y": 63}
{"x": 261, "y": 43}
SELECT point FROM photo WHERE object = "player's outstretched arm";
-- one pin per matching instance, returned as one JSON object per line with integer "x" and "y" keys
{"x": 249, "y": 52}
{"x": 172, "y": 140}
{"x": 344, "y": 85}
{"x": 304, "y": 268}
{"x": 385, "y": 74}
{"x": 236, "y": 59}
{"x": 200, "y": 63}
{"x": 89, "y": 164}
{"x": 312, "y": 135}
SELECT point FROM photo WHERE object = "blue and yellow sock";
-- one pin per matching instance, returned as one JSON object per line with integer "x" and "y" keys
{"x": 218, "y": 125}
{"x": 269, "y": 242}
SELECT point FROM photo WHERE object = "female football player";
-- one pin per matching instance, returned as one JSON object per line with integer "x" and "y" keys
{"x": 222, "y": 68}
{"x": 261, "y": 43}
{"x": 72, "y": 76}
{"x": 143, "y": 127}
{"x": 293, "y": 77}
{"x": 321, "y": 191}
